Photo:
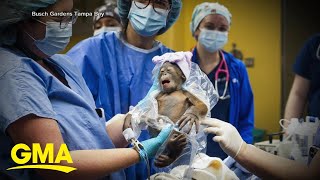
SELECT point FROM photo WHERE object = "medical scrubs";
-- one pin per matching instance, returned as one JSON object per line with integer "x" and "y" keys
{"x": 27, "y": 88}
{"x": 118, "y": 75}
{"x": 307, "y": 65}
{"x": 237, "y": 109}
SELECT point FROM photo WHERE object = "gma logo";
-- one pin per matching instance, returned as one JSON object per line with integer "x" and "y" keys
{"x": 46, "y": 157}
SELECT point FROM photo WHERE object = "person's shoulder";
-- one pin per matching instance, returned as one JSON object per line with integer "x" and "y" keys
{"x": 165, "y": 49}
{"x": 308, "y": 53}
{"x": 95, "y": 41}
{"x": 11, "y": 60}
{"x": 64, "y": 61}
{"x": 314, "y": 38}
{"x": 233, "y": 61}
{"x": 312, "y": 43}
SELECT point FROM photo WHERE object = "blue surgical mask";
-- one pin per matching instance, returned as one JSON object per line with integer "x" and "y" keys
{"x": 106, "y": 29}
{"x": 147, "y": 22}
{"x": 55, "y": 40}
{"x": 212, "y": 40}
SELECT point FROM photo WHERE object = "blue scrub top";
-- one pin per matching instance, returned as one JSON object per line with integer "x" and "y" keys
{"x": 28, "y": 88}
{"x": 307, "y": 65}
{"x": 118, "y": 75}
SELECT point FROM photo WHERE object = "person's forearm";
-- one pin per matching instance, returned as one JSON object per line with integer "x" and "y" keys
{"x": 297, "y": 98}
{"x": 295, "y": 106}
{"x": 114, "y": 130}
{"x": 269, "y": 166}
{"x": 198, "y": 111}
{"x": 94, "y": 164}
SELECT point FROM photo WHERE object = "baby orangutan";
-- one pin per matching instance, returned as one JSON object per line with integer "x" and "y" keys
{"x": 180, "y": 106}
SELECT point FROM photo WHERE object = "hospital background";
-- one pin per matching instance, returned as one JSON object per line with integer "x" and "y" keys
{"x": 269, "y": 33}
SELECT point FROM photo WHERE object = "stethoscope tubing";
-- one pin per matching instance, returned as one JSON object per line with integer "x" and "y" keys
{"x": 226, "y": 71}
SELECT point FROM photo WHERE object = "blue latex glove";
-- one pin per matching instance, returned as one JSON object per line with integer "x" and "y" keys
{"x": 152, "y": 145}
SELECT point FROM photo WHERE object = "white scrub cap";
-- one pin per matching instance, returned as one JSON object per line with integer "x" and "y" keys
{"x": 204, "y": 9}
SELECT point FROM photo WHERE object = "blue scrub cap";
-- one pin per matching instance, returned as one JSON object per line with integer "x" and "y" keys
{"x": 13, "y": 11}
{"x": 124, "y": 8}
{"x": 204, "y": 9}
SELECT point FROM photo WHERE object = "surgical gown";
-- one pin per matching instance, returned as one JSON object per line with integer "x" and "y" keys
{"x": 118, "y": 75}
{"x": 28, "y": 88}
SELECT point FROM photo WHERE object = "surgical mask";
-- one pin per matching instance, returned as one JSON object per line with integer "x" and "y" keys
{"x": 55, "y": 40}
{"x": 212, "y": 40}
{"x": 147, "y": 22}
{"x": 106, "y": 29}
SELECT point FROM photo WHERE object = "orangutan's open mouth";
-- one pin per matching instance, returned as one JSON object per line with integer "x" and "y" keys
{"x": 165, "y": 82}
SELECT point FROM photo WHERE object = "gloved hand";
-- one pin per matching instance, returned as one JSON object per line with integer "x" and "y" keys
{"x": 152, "y": 145}
{"x": 225, "y": 134}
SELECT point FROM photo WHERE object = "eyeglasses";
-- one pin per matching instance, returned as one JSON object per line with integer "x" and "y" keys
{"x": 64, "y": 20}
{"x": 162, "y": 4}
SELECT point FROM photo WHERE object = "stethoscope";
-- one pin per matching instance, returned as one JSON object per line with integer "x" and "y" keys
{"x": 222, "y": 68}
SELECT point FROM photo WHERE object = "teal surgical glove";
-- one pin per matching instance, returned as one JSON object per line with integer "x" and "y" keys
{"x": 152, "y": 145}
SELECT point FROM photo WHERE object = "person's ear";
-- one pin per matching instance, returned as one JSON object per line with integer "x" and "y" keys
{"x": 196, "y": 34}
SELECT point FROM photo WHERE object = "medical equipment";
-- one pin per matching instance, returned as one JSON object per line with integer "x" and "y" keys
{"x": 226, "y": 71}
{"x": 313, "y": 151}
{"x": 275, "y": 146}
{"x": 130, "y": 137}
{"x": 302, "y": 134}
{"x": 296, "y": 145}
